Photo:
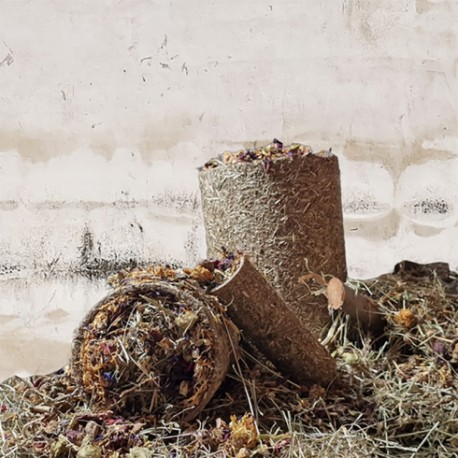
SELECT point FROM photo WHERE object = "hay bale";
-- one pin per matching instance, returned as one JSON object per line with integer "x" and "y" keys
{"x": 287, "y": 218}
{"x": 266, "y": 321}
{"x": 153, "y": 349}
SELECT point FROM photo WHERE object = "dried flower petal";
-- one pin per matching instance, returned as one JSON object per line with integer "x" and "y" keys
{"x": 244, "y": 433}
{"x": 406, "y": 318}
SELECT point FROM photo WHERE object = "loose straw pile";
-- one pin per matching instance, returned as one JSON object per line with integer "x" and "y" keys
{"x": 393, "y": 397}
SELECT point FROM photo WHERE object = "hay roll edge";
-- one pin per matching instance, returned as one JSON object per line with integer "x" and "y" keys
{"x": 288, "y": 220}
{"x": 265, "y": 319}
{"x": 153, "y": 349}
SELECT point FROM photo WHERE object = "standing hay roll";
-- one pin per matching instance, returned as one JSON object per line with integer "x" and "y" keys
{"x": 153, "y": 349}
{"x": 265, "y": 320}
{"x": 281, "y": 206}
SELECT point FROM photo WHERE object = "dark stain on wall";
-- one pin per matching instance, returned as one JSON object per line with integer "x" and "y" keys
{"x": 10, "y": 268}
{"x": 87, "y": 247}
{"x": 93, "y": 265}
{"x": 431, "y": 207}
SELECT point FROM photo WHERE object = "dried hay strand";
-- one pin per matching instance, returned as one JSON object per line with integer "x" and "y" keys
{"x": 287, "y": 218}
{"x": 267, "y": 322}
{"x": 153, "y": 349}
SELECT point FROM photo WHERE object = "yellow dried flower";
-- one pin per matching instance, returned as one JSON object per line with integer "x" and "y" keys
{"x": 229, "y": 158}
{"x": 164, "y": 272}
{"x": 406, "y": 318}
{"x": 201, "y": 274}
{"x": 244, "y": 433}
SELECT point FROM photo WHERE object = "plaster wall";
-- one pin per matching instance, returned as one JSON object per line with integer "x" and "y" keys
{"x": 107, "y": 109}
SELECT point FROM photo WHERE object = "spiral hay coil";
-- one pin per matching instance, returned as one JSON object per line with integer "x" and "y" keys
{"x": 153, "y": 349}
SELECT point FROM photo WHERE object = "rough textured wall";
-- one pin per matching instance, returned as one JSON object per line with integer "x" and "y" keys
{"x": 107, "y": 108}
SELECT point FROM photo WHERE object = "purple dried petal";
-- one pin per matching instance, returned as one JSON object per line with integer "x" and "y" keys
{"x": 73, "y": 435}
{"x": 439, "y": 347}
{"x": 108, "y": 376}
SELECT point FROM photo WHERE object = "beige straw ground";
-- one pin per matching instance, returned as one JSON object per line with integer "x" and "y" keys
{"x": 394, "y": 397}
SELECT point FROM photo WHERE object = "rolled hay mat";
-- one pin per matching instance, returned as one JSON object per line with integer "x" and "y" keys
{"x": 266, "y": 321}
{"x": 283, "y": 210}
{"x": 153, "y": 349}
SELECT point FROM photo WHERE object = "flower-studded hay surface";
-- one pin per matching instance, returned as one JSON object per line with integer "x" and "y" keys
{"x": 282, "y": 207}
{"x": 153, "y": 349}
{"x": 395, "y": 397}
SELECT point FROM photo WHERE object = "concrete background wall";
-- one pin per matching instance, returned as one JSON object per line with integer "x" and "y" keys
{"x": 107, "y": 108}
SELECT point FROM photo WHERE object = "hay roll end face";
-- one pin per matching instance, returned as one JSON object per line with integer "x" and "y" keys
{"x": 154, "y": 348}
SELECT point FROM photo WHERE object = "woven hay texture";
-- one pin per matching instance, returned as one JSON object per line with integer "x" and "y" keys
{"x": 289, "y": 221}
{"x": 153, "y": 349}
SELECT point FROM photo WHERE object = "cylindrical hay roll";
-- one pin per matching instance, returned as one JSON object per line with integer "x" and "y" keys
{"x": 265, "y": 319}
{"x": 153, "y": 349}
{"x": 287, "y": 219}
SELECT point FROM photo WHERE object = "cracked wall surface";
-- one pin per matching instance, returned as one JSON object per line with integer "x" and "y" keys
{"x": 106, "y": 111}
